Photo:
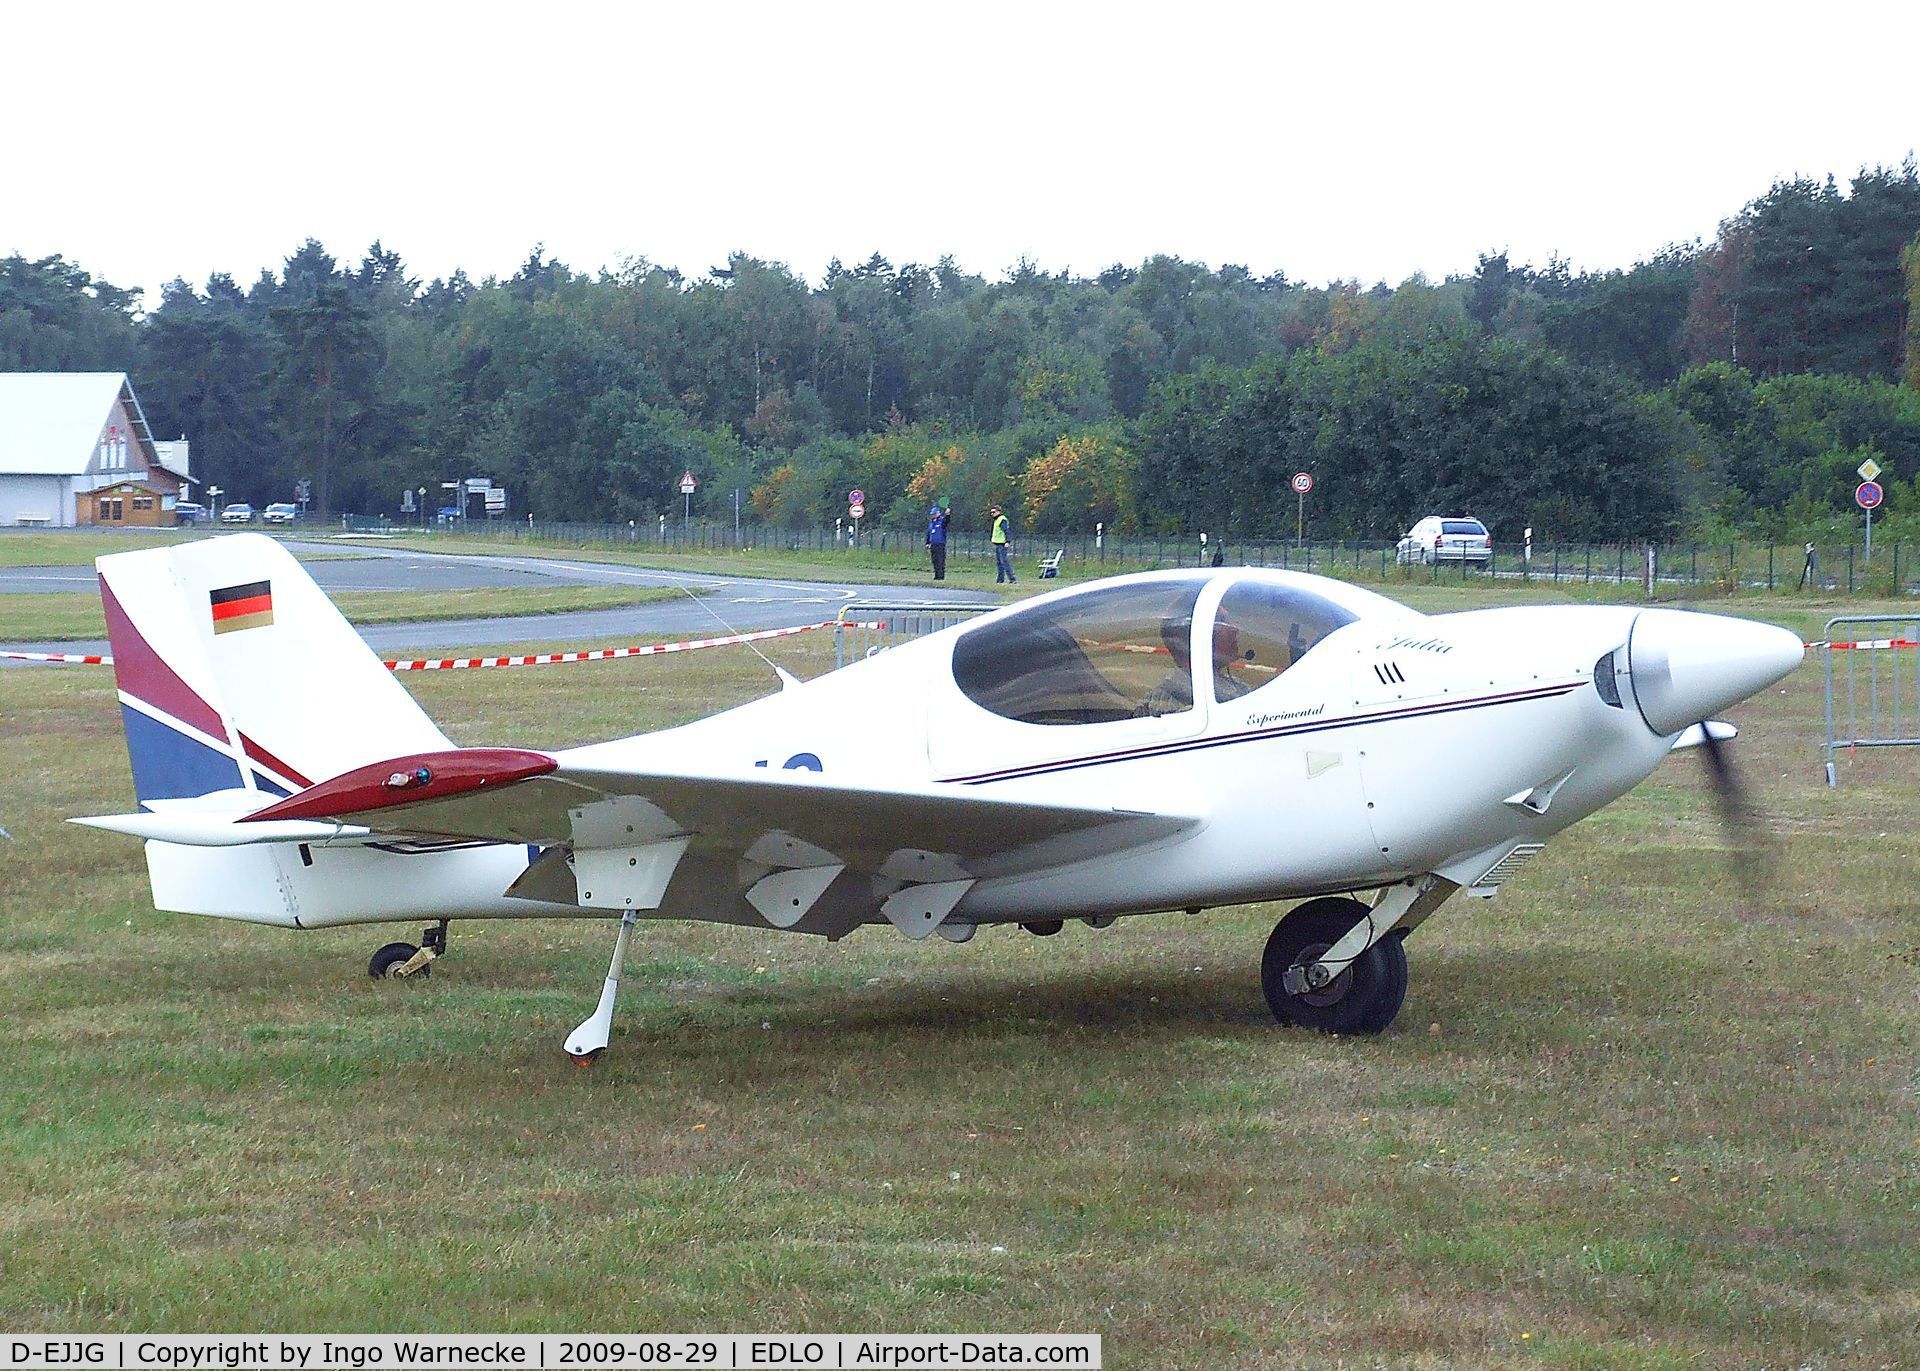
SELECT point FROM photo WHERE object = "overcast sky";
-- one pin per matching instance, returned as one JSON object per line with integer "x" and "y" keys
{"x": 1328, "y": 141}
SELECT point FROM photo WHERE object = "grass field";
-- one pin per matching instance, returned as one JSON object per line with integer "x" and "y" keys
{"x": 78, "y": 547}
{"x": 863, "y": 566}
{"x": 62, "y": 615}
{"x": 1628, "y": 1118}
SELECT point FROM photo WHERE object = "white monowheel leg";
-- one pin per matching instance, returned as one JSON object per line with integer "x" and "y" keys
{"x": 589, "y": 1040}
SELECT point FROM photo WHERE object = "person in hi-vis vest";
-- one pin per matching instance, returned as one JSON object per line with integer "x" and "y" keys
{"x": 1002, "y": 562}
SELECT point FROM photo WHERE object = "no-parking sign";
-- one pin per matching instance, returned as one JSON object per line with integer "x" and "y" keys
{"x": 1868, "y": 495}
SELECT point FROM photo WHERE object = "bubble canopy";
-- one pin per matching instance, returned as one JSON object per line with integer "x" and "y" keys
{"x": 1124, "y": 651}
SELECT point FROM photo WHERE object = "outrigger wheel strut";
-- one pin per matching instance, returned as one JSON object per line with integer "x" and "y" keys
{"x": 589, "y": 1040}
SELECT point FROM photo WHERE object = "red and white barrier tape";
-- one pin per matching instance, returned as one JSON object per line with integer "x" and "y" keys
{"x": 1868, "y": 645}
{"x": 608, "y": 653}
{"x": 540, "y": 659}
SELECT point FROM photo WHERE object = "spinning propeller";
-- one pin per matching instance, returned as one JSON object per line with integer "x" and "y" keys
{"x": 1684, "y": 667}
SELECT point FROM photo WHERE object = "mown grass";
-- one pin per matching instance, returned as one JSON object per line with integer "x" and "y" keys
{"x": 71, "y": 615}
{"x": 1628, "y": 1118}
{"x": 78, "y": 547}
{"x": 849, "y": 566}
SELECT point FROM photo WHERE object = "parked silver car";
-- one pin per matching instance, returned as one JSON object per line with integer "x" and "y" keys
{"x": 1443, "y": 538}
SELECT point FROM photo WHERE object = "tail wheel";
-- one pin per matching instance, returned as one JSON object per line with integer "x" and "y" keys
{"x": 1362, "y": 999}
{"x": 381, "y": 965}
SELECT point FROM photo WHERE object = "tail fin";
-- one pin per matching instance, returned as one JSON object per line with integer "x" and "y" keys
{"x": 236, "y": 672}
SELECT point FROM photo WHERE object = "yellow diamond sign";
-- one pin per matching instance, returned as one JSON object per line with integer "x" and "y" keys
{"x": 1869, "y": 470}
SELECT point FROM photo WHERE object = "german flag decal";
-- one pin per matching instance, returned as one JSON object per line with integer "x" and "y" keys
{"x": 238, "y": 607}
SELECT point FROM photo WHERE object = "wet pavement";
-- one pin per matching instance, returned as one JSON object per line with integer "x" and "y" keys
{"x": 714, "y": 604}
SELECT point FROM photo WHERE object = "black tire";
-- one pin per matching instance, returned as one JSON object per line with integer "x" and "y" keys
{"x": 1363, "y": 999}
{"x": 382, "y": 963}
{"x": 1044, "y": 928}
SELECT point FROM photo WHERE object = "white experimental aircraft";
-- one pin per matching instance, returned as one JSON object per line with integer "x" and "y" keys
{"x": 1172, "y": 740}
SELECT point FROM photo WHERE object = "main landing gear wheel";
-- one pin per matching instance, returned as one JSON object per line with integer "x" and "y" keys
{"x": 1044, "y": 928}
{"x": 400, "y": 961}
{"x": 1366, "y": 994}
{"x": 383, "y": 963}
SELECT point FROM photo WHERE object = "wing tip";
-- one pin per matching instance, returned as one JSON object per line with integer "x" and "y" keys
{"x": 409, "y": 780}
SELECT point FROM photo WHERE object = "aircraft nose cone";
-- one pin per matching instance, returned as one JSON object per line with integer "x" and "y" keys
{"x": 1686, "y": 667}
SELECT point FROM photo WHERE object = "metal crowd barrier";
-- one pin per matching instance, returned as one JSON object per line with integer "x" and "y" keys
{"x": 870, "y": 626}
{"x": 1873, "y": 700}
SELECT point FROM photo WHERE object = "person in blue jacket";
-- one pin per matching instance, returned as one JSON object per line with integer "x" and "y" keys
{"x": 937, "y": 519}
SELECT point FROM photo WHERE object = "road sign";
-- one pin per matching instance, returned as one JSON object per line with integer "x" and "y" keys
{"x": 1869, "y": 495}
{"x": 1869, "y": 470}
{"x": 496, "y": 499}
{"x": 1301, "y": 483}
{"x": 857, "y": 510}
{"x": 856, "y": 496}
{"x": 687, "y": 483}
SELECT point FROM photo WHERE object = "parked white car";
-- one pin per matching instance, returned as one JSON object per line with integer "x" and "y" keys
{"x": 280, "y": 513}
{"x": 1439, "y": 538}
{"x": 237, "y": 514}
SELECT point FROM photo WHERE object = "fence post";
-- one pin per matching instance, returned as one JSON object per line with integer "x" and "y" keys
{"x": 1849, "y": 568}
{"x": 1769, "y": 564}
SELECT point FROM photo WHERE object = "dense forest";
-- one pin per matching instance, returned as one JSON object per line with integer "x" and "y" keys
{"x": 1714, "y": 390}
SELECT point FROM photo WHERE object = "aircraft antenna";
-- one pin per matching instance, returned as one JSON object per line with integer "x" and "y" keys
{"x": 731, "y": 630}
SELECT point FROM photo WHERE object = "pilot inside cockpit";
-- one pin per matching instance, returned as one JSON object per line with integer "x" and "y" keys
{"x": 1175, "y": 691}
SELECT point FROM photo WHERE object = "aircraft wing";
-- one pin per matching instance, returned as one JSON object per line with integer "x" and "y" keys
{"x": 615, "y": 837}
